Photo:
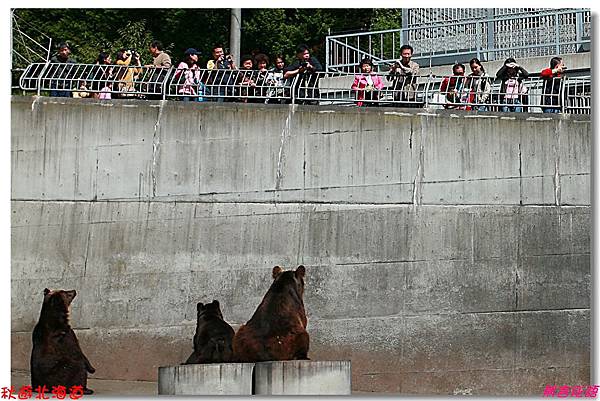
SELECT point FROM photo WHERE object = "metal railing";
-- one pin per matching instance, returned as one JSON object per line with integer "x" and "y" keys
{"x": 570, "y": 95}
{"x": 543, "y": 33}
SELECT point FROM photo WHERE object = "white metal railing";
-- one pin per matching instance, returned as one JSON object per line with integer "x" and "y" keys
{"x": 571, "y": 95}
{"x": 546, "y": 32}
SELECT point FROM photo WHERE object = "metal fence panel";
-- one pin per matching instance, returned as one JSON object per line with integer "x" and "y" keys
{"x": 534, "y": 95}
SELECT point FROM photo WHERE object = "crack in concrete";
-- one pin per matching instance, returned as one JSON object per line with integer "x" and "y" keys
{"x": 156, "y": 145}
{"x": 285, "y": 132}
{"x": 418, "y": 181}
{"x": 557, "y": 189}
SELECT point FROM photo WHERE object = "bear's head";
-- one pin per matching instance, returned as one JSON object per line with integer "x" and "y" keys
{"x": 211, "y": 309}
{"x": 290, "y": 278}
{"x": 57, "y": 302}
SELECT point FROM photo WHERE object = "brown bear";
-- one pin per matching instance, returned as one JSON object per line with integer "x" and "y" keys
{"x": 277, "y": 330}
{"x": 56, "y": 357}
{"x": 214, "y": 336}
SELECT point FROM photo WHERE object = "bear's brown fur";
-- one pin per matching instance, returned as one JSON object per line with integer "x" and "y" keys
{"x": 277, "y": 330}
{"x": 214, "y": 336}
{"x": 56, "y": 357}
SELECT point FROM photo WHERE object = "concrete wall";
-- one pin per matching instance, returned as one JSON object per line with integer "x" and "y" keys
{"x": 445, "y": 252}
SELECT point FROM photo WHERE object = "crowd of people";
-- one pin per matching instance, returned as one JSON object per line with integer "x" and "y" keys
{"x": 457, "y": 91}
{"x": 255, "y": 82}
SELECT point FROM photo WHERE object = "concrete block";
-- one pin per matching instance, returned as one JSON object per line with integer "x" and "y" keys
{"x": 554, "y": 282}
{"x": 206, "y": 379}
{"x": 538, "y": 190}
{"x": 472, "y": 191}
{"x": 575, "y": 189}
{"x": 303, "y": 378}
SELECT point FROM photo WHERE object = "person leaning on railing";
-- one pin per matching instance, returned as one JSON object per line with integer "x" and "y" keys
{"x": 403, "y": 75}
{"x": 102, "y": 73}
{"x": 453, "y": 88}
{"x": 245, "y": 81}
{"x": 513, "y": 94}
{"x": 367, "y": 84}
{"x": 261, "y": 61}
{"x": 479, "y": 86}
{"x": 60, "y": 71}
{"x": 305, "y": 67}
{"x": 161, "y": 62}
{"x": 552, "y": 84}
{"x": 187, "y": 77}
{"x": 220, "y": 78}
{"x": 275, "y": 79}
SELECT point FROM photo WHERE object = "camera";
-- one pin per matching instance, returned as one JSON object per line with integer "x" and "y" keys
{"x": 133, "y": 53}
{"x": 304, "y": 64}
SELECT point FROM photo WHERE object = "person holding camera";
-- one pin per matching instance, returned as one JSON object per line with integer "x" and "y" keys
{"x": 552, "y": 84}
{"x": 220, "y": 80}
{"x": 126, "y": 73}
{"x": 403, "y": 76}
{"x": 305, "y": 67}
{"x": 513, "y": 93}
{"x": 452, "y": 88}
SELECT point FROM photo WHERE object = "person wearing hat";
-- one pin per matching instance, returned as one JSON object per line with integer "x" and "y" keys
{"x": 187, "y": 76}
{"x": 367, "y": 84}
{"x": 61, "y": 57}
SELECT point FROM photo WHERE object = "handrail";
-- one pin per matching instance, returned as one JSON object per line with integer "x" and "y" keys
{"x": 486, "y": 37}
{"x": 340, "y": 88}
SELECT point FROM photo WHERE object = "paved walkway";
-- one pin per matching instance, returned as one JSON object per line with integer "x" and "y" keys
{"x": 101, "y": 387}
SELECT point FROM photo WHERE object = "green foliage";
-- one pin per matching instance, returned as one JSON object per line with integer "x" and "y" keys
{"x": 272, "y": 30}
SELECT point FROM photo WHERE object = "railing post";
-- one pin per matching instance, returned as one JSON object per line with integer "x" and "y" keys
{"x": 405, "y": 25}
{"x": 165, "y": 83}
{"x": 427, "y": 91}
{"x": 327, "y": 55}
{"x": 563, "y": 97}
{"x": 557, "y": 33}
{"x": 478, "y": 39}
{"x": 491, "y": 38}
{"x": 293, "y": 89}
{"x": 578, "y": 30}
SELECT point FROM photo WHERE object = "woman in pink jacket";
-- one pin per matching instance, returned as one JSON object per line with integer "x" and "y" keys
{"x": 367, "y": 85}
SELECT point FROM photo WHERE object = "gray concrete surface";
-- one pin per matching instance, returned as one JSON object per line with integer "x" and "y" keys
{"x": 208, "y": 379}
{"x": 303, "y": 378}
{"x": 79, "y": 150}
{"x": 445, "y": 253}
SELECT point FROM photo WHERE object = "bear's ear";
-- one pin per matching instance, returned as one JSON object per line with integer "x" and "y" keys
{"x": 300, "y": 271}
{"x": 70, "y": 296}
{"x": 46, "y": 291}
{"x": 216, "y": 303}
{"x": 277, "y": 271}
{"x": 199, "y": 306}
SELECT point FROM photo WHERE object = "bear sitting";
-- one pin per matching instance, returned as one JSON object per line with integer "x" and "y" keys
{"x": 56, "y": 357}
{"x": 277, "y": 330}
{"x": 214, "y": 336}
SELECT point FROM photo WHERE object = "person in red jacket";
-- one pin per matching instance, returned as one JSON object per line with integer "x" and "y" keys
{"x": 552, "y": 85}
{"x": 367, "y": 85}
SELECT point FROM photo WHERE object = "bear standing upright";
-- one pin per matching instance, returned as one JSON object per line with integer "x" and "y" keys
{"x": 56, "y": 357}
{"x": 277, "y": 330}
{"x": 214, "y": 336}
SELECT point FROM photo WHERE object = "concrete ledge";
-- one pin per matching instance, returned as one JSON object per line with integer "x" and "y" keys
{"x": 303, "y": 378}
{"x": 206, "y": 379}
